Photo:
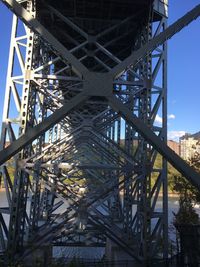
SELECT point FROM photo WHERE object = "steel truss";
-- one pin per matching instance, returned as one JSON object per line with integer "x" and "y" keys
{"x": 79, "y": 116}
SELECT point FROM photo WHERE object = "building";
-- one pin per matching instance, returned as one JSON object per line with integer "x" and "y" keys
{"x": 175, "y": 146}
{"x": 188, "y": 146}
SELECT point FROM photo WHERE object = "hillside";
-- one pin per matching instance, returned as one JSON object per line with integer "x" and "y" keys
{"x": 196, "y": 135}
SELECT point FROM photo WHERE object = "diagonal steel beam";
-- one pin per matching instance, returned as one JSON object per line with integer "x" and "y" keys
{"x": 155, "y": 141}
{"x": 156, "y": 41}
{"x": 112, "y": 233}
{"x": 67, "y": 21}
{"x": 33, "y": 133}
{"x": 38, "y": 28}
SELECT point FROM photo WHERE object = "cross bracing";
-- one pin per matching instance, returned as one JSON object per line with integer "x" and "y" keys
{"x": 86, "y": 88}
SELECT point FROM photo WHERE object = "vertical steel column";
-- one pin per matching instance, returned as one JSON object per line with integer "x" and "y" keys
{"x": 146, "y": 223}
{"x": 17, "y": 84}
{"x": 164, "y": 137}
{"x": 96, "y": 151}
{"x": 18, "y": 212}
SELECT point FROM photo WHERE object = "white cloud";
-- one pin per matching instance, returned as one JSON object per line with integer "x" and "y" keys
{"x": 175, "y": 135}
{"x": 171, "y": 116}
{"x": 158, "y": 119}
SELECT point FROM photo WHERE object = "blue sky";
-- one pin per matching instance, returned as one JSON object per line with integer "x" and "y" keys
{"x": 183, "y": 68}
{"x": 184, "y": 71}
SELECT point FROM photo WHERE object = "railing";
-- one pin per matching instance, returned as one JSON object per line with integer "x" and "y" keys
{"x": 92, "y": 263}
{"x": 106, "y": 263}
{"x": 175, "y": 261}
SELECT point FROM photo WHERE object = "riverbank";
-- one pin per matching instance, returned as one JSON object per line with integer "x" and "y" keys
{"x": 170, "y": 194}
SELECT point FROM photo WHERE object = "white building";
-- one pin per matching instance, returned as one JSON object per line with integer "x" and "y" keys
{"x": 188, "y": 147}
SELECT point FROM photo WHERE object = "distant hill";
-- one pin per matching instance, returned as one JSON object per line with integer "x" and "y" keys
{"x": 196, "y": 135}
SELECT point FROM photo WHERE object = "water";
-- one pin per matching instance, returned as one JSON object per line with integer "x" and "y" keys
{"x": 93, "y": 252}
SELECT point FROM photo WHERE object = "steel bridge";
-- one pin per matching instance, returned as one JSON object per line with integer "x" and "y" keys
{"x": 85, "y": 82}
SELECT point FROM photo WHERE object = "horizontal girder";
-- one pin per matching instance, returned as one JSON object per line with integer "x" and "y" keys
{"x": 89, "y": 166}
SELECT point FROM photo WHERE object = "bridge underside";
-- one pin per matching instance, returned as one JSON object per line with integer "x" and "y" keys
{"x": 85, "y": 165}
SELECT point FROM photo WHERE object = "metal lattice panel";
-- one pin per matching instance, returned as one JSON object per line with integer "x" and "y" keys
{"x": 86, "y": 95}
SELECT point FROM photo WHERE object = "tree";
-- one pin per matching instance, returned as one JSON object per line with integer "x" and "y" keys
{"x": 186, "y": 220}
{"x": 188, "y": 194}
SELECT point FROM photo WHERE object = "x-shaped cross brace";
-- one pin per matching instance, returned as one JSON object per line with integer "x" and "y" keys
{"x": 101, "y": 84}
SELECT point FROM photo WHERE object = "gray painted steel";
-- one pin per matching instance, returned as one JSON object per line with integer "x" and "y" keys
{"x": 84, "y": 141}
